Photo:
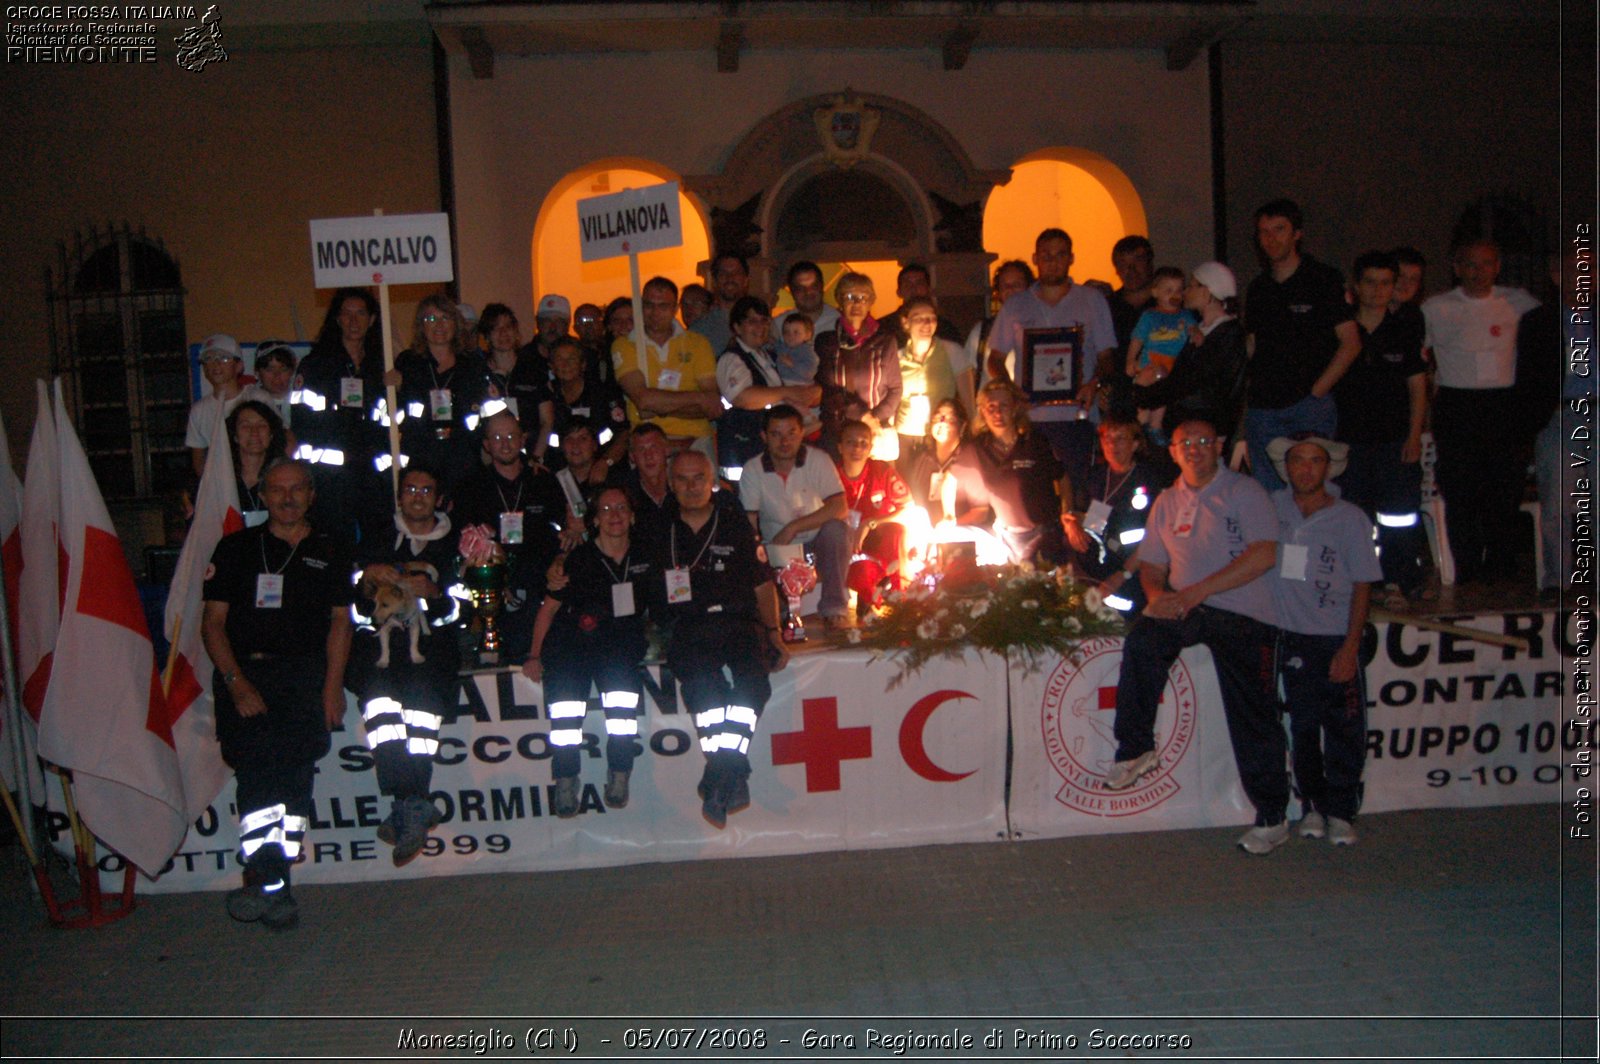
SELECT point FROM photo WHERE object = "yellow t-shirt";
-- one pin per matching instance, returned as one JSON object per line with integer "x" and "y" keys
{"x": 687, "y": 358}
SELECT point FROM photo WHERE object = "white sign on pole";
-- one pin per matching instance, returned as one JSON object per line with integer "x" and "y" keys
{"x": 629, "y": 222}
{"x": 381, "y": 249}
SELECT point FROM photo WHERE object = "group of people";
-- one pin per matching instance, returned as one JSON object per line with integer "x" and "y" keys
{"x": 669, "y": 477}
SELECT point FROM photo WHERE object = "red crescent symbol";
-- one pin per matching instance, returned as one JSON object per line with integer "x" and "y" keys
{"x": 911, "y": 748}
{"x": 377, "y": 278}
{"x": 626, "y": 246}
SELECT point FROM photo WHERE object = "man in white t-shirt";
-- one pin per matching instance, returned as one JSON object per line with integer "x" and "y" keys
{"x": 1472, "y": 330}
{"x": 793, "y": 494}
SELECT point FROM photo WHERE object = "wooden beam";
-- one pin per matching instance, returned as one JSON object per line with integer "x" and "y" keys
{"x": 730, "y": 39}
{"x": 958, "y": 46}
{"x": 480, "y": 53}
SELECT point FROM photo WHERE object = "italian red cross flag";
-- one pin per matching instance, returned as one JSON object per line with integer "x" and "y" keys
{"x": 39, "y": 588}
{"x": 188, "y": 675}
{"x": 104, "y": 715}
{"x": 11, "y": 567}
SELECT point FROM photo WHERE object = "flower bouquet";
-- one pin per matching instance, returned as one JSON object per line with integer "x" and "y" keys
{"x": 1025, "y": 613}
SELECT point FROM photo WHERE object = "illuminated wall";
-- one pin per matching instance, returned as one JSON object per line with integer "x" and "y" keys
{"x": 1077, "y": 190}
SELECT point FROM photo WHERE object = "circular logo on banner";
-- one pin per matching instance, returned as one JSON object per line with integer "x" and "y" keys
{"x": 1077, "y": 716}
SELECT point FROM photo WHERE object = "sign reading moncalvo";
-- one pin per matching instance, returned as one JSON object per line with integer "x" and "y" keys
{"x": 629, "y": 222}
{"x": 381, "y": 249}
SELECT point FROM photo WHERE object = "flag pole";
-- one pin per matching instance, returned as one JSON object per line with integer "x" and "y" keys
{"x": 390, "y": 392}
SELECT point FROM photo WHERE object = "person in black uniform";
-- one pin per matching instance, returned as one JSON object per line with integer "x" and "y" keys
{"x": 339, "y": 389}
{"x": 1107, "y": 523}
{"x": 719, "y": 596}
{"x": 403, "y": 701}
{"x": 592, "y": 630}
{"x": 523, "y": 506}
{"x": 1011, "y": 469}
{"x": 443, "y": 386}
{"x": 277, "y": 627}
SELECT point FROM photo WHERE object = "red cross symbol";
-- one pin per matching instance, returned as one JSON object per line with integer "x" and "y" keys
{"x": 1108, "y": 698}
{"x": 821, "y": 744}
{"x": 377, "y": 278}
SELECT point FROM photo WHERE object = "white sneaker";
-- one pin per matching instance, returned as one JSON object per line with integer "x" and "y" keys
{"x": 1125, "y": 774}
{"x": 1260, "y": 841}
{"x": 1313, "y": 826}
{"x": 1341, "y": 832}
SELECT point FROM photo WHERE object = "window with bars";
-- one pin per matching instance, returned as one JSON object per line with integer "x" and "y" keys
{"x": 118, "y": 341}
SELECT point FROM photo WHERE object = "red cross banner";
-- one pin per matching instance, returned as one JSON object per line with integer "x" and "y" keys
{"x": 839, "y": 763}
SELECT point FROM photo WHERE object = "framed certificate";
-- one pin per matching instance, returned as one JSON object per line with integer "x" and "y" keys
{"x": 1052, "y": 364}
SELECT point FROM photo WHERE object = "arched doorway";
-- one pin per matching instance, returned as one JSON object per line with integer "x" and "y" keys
{"x": 556, "y": 263}
{"x": 857, "y": 178}
{"x": 1078, "y": 190}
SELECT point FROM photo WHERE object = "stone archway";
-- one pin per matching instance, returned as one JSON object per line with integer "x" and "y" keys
{"x": 851, "y": 175}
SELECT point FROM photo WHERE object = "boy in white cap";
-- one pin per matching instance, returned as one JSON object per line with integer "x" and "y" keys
{"x": 1326, "y": 568}
{"x": 222, "y": 362}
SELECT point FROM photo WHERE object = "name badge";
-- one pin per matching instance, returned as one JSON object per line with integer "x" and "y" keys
{"x": 678, "y": 586}
{"x": 269, "y": 591}
{"x": 580, "y": 411}
{"x": 1183, "y": 520}
{"x": 351, "y": 391}
{"x": 511, "y": 527}
{"x": 853, "y": 517}
{"x": 440, "y": 403}
{"x": 511, "y": 406}
{"x": 1097, "y": 518}
{"x": 252, "y": 518}
{"x": 668, "y": 380}
{"x": 1295, "y": 558}
{"x": 622, "y": 599}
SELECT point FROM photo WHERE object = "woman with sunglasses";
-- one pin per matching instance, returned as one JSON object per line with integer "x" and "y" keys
{"x": 592, "y": 630}
{"x": 443, "y": 386}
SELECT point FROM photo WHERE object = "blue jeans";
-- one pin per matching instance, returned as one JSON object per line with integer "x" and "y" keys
{"x": 1261, "y": 427}
{"x": 830, "y": 549}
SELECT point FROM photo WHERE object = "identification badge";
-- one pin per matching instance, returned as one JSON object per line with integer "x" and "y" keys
{"x": 678, "y": 586}
{"x": 511, "y": 406}
{"x": 854, "y": 518}
{"x": 668, "y": 380}
{"x": 1183, "y": 520}
{"x": 1295, "y": 558}
{"x": 252, "y": 518}
{"x": 622, "y": 599}
{"x": 1097, "y": 518}
{"x": 351, "y": 391}
{"x": 269, "y": 591}
{"x": 511, "y": 527}
{"x": 440, "y": 403}
{"x": 580, "y": 411}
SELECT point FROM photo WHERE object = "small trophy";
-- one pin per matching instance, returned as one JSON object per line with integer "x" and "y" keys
{"x": 483, "y": 572}
{"x": 796, "y": 579}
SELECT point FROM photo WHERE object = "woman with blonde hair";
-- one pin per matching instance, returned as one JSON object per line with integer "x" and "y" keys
{"x": 858, "y": 364}
{"x": 1014, "y": 473}
{"x": 443, "y": 386}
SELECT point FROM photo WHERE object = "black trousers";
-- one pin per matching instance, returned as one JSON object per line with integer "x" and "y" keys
{"x": 1479, "y": 477}
{"x": 1244, "y": 649}
{"x": 1327, "y": 725}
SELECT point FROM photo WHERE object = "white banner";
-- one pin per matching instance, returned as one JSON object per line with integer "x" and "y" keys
{"x": 838, "y": 764}
{"x": 629, "y": 222}
{"x": 381, "y": 249}
{"x": 1062, "y": 744}
{"x": 1451, "y": 721}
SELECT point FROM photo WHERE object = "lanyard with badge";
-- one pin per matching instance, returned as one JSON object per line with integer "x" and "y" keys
{"x": 621, "y": 586}
{"x": 511, "y": 514}
{"x": 678, "y": 590}
{"x": 440, "y": 402}
{"x": 352, "y": 391}
{"x": 269, "y": 584}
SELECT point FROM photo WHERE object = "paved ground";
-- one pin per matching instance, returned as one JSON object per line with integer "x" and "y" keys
{"x": 1451, "y": 934}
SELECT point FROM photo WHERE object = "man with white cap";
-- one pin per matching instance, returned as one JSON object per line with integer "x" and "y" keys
{"x": 1326, "y": 568}
{"x": 551, "y": 321}
{"x": 222, "y": 362}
